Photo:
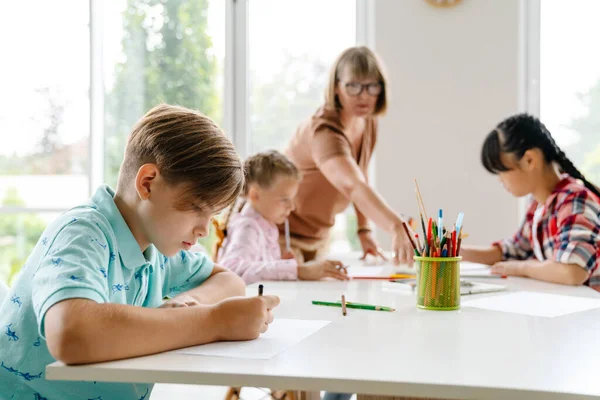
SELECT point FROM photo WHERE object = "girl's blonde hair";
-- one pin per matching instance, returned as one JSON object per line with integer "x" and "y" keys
{"x": 362, "y": 63}
{"x": 190, "y": 151}
{"x": 261, "y": 169}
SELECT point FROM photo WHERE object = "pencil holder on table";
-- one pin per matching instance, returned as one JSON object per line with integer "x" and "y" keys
{"x": 438, "y": 283}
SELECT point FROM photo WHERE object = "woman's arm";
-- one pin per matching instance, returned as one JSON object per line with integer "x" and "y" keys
{"x": 345, "y": 175}
{"x": 361, "y": 220}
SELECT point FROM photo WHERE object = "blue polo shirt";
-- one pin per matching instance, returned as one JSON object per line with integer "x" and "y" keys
{"x": 88, "y": 252}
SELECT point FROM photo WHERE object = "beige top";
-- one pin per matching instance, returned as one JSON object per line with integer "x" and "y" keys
{"x": 318, "y": 139}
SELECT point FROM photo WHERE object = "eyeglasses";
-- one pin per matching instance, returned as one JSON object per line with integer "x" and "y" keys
{"x": 355, "y": 88}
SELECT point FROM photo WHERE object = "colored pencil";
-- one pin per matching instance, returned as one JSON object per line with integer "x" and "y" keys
{"x": 420, "y": 199}
{"x": 412, "y": 242}
{"x": 354, "y": 305}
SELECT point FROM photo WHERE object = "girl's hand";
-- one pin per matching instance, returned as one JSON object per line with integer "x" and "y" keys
{"x": 369, "y": 246}
{"x": 287, "y": 255}
{"x": 316, "y": 270}
{"x": 509, "y": 268}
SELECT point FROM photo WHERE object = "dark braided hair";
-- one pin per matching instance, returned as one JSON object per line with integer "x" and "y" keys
{"x": 523, "y": 132}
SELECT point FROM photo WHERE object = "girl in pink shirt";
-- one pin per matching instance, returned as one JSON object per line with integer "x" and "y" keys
{"x": 251, "y": 245}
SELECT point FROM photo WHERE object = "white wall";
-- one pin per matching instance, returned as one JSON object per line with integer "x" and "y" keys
{"x": 454, "y": 74}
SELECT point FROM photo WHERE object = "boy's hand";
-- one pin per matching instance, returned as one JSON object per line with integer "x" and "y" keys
{"x": 244, "y": 318}
{"x": 316, "y": 270}
{"x": 183, "y": 300}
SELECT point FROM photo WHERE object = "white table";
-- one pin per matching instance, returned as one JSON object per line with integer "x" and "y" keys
{"x": 469, "y": 353}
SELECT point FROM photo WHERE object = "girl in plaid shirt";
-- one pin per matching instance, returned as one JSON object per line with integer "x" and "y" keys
{"x": 559, "y": 240}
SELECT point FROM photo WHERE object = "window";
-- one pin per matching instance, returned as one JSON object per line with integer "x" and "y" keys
{"x": 76, "y": 83}
{"x": 570, "y": 80}
{"x": 289, "y": 61}
{"x": 44, "y": 121}
{"x": 159, "y": 52}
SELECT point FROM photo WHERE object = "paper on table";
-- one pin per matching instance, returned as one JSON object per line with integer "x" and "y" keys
{"x": 471, "y": 266}
{"x": 535, "y": 304}
{"x": 282, "y": 333}
{"x": 468, "y": 287}
{"x": 364, "y": 271}
{"x": 474, "y": 270}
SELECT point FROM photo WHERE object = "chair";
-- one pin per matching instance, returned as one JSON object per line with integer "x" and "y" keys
{"x": 233, "y": 393}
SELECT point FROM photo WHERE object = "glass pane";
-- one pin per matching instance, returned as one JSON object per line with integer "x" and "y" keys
{"x": 19, "y": 233}
{"x": 570, "y": 80}
{"x": 159, "y": 52}
{"x": 290, "y": 57}
{"x": 343, "y": 235}
{"x": 44, "y": 106}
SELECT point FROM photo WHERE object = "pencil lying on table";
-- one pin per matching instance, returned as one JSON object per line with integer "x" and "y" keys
{"x": 388, "y": 277}
{"x": 354, "y": 305}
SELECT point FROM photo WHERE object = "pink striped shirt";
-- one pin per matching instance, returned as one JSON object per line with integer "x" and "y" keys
{"x": 251, "y": 249}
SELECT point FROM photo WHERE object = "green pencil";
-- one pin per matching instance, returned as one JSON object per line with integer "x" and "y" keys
{"x": 354, "y": 305}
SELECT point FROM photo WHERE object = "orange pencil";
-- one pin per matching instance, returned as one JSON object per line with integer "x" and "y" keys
{"x": 390, "y": 277}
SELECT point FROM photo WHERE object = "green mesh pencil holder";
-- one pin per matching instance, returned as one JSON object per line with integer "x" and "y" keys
{"x": 438, "y": 283}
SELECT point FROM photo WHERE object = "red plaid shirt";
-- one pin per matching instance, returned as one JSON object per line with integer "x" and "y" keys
{"x": 568, "y": 230}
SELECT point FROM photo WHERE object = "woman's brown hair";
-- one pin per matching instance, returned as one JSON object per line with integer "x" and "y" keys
{"x": 191, "y": 151}
{"x": 361, "y": 63}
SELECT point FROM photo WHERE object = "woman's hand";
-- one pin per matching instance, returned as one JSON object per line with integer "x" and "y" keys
{"x": 369, "y": 246}
{"x": 403, "y": 251}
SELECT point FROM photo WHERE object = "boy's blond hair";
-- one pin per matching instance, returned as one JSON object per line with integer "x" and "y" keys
{"x": 362, "y": 63}
{"x": 190, "y": 151}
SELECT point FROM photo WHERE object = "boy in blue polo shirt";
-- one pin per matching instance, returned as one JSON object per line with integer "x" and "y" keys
{"x": 92, "y": 289}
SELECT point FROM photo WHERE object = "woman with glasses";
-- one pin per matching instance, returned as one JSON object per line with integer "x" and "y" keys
{"x": 332, "y": 148}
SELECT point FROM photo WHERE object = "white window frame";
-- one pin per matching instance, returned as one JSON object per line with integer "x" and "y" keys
{"x": 529, "y": 70}
{"x": 96, "y": 147}
{"x": 236, "y": 120}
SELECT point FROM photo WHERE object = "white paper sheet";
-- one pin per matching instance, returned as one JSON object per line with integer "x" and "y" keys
{"x": 470, "y": 266}
{"x": 356, "y": 271}
{"x": 474, "y": 270}
{"x": 535, "y": 304}
{"x": 282, "y": 334}
{"x": 373, "y": 270}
